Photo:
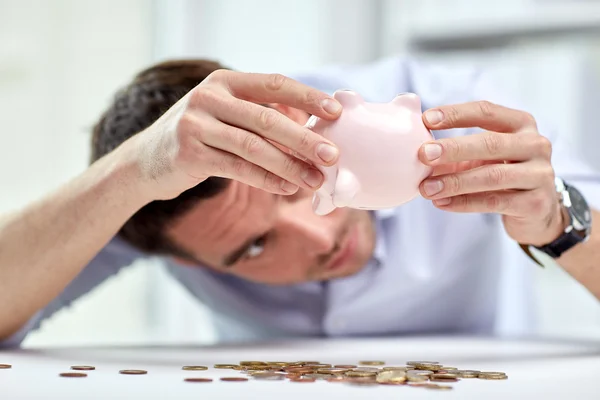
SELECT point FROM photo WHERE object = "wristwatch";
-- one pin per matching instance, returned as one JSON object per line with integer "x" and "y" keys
{"x": 578, "y": 230}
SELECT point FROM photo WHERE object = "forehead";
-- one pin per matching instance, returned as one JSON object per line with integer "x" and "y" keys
{"x": 217, "y": 225}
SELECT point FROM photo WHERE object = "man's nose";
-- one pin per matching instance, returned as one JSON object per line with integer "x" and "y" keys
{"x": 315, "y": 233}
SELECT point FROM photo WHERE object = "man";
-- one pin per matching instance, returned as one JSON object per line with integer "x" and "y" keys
{"x": 195, "y": 163}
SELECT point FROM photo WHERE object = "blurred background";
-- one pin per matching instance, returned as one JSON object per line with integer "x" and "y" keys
{"x": 62, "y": 60}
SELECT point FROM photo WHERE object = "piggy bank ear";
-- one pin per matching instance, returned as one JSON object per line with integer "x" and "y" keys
{"x": 408, "y": 100}
{"x": 348, "y": 98}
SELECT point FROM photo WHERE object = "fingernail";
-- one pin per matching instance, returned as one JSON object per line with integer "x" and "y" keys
{"x": 434, "y": 117}
{"x": 432, "y": 187}
{"x": 327, "y": 152}
{"x": 312, "y": 177}
{"x": 442, "y": 202}
{"x": 331, "y": 106}
{"x": 433, "y": 151}
{"x": 288, "y": 187}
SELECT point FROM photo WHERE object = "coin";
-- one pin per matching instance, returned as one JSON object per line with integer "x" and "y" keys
{"x": 234, "y": 379}
{"x": 133, "y": 372}
{"x": 395, "y": 369}
{"x": 350, "y": 366}
{"x": 83, "y": 368}
{"x": 371, "y": 362}
{"x": 303, "y": 380}
{"x": 5, "y": 366}
{"x": 492, "y": 375}
{"x": 413, "y": 363}
{"x": 367, "y": 369}
{"x": 278, "y": 363}
{"x": 245, "y": 363}
{"x": 443, "y": 379}
{"x": 416, "y": 378}
{"x": 445, "y": 368}
{"x": 194, "y": 368}
{"x": 422, "y": 372}
{"x": 428, "y": 367}
{"x": 359, "y": 374}
{"x": 198, "y": 380}
{"x": 268, "y": 376}
{"x": 467, "y": 373}
{"x": 439, "y": 387}
{"x": 73, "y": 375}
{"x": 309, "y": 362}
{"x": 318, "y": 376}
{"x": 391, "y": 376}
{"x": 225, "y": 366}
{"x": 443, "y": 376}
{"x": 332, "y": 370}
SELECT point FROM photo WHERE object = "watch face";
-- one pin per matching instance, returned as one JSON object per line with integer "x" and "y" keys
{"x": 580, "y": 208}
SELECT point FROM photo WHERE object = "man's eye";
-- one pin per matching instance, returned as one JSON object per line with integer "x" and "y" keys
{"x": 256, "y": 248}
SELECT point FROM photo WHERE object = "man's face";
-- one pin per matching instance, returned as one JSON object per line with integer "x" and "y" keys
{"x": 274, "y": 239}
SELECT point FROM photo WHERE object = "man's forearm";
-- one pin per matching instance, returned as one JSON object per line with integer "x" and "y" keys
{"x": 45, "y": 245}
{"x": 583, "y": 261}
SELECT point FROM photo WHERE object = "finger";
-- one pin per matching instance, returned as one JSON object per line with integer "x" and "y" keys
{"x": 489, "y": 146}
{"x": 263, "y": 153}
{"x": 482, "y": 114}
{"x": 522, "y": 176}
{"x": 277, "y": 88}
{"x": 531, "y": 204}
{"x": 452, "y": 168}
{"x": 274, "y": 126}
{"x": 227, "y": 165}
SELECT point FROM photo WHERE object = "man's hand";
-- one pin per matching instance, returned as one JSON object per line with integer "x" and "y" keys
{"x": 221, "y": 129}
{"x": 506, "y": 169}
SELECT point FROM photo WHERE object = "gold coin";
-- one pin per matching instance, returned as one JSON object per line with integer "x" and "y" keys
{"x": 277, "y": 363}
{"x": 371, "y": 362}
{"x": 422, "y": 372}
{"x": 73, "y": 375}
{"x": 349, "y": 366}
{"x": 395, "y": 369}
{"x": 443, "y": 376}
{"x": 428, "y": 367}
{"x": 416, "y": 378}
{"x": 257, "y": 368}
{"x": 492, "y": 377}
{"x": 198, "y": 380}
{"x": 225, "y": 366}
{"x": 234, "y": 379}
{"x": 133, "y": 372}
{"x": 332, "y": 370}
{"x": 439, "y": 387}
{"x": 413, "y": 363}
{"x": 467, "y": 373}
{"x": 194, "y": 368}
{"x": 391, "y": 376}
{"x": 491, "y": 373}
{"x": 359, "y": 374}
{"x": 309, "y": 362}
{"x": 83, "y": 368}
{"x": 5, "y": 366}
{"x": 445, "y": 368}
{"x": 246, "y": 363}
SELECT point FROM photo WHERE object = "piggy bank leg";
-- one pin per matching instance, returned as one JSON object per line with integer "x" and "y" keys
{"x": 346, "y": 187}
{"x": 322, "y": 204}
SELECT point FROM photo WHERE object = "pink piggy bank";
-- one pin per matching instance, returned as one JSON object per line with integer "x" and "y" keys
{"x": 378, "y": 165}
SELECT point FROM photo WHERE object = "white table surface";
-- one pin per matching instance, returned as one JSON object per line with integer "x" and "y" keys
{"x": 536, "y": 369}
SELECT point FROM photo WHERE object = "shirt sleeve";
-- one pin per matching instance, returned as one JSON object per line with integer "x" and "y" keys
{"x": 112, "y": 258}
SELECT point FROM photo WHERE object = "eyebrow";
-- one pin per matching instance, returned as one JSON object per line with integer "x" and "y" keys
{"x": 235, "y": 255}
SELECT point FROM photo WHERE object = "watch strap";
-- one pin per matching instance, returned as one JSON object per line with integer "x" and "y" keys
{"x": 563, "y": 243}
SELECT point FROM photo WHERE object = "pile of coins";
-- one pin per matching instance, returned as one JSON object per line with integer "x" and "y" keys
{"x": 421, "y": 374}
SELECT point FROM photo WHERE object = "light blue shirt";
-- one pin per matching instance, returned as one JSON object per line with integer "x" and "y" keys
{"x": 431, "y": 271}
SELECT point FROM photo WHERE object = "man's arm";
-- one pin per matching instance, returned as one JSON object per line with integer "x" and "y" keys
{"x": 582, "y": 262}
{"x": 44, "y": 246}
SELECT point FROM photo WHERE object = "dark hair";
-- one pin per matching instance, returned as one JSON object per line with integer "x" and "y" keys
{"x": 135, "y": 107}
